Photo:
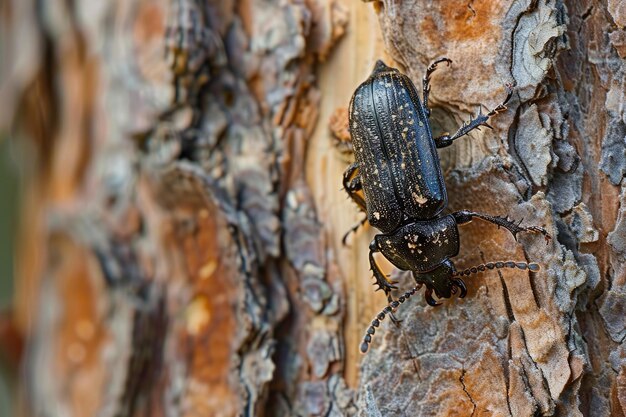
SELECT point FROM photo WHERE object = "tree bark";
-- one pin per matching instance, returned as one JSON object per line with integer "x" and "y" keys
{"x": 180, "y": 248}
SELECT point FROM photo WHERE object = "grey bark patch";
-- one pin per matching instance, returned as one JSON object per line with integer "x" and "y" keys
{"x": 315, "y": 291}
{"x": 580, "y": 222}
{"x": 533, "y": 144}
{"x": 565, "y": 189}
{"x": 590, "y": 264}
{"x": 535, "y": 43}
{"x": 572, "y": 277}
{"x": 302, "y": 232}
{"x": 617, "y": 237}
{"x": 618, "y": 40}
{"x": 617, "y": 9}
{"x": 566, "y": 154}
{"x": 613, "y": 162}
{"x": 371, "y": 408}
{"x": 313, "y": 399}
{"x": 613, "y": 310}
{"x": 521, "y": 402}
{"x": 322, "y": 350}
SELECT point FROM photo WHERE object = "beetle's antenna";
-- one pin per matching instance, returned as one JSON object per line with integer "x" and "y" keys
{"x": 367, "y": 339}
{"x": 497, "y": 265}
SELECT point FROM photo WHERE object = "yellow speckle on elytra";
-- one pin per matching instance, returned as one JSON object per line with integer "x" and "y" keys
{"x": 419, "y": 199}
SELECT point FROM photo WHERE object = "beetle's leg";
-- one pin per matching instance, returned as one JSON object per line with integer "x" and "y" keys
{"x": 426, "y": 81}
{"x": 352, "y": 184}
{"x": 350, "y": 172}
{"x": 381, "y": 280}
{"x": 465, "y": 216}
{"x": 475, "y": 123}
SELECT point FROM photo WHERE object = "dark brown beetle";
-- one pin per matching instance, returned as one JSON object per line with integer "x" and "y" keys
{"x": 397, "y": 169}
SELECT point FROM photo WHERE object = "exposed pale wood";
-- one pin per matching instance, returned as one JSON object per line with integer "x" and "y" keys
{"x": 350, "y": 64}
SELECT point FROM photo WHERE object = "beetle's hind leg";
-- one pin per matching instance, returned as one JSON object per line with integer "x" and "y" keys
{"x": 475, "y": 123}
{"x": 426, "y": 81}
{"x": 352, "y": 185}
{"x": 466, "y": 216}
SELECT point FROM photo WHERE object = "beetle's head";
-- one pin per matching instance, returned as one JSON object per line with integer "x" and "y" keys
{"x": 439, "y": 279}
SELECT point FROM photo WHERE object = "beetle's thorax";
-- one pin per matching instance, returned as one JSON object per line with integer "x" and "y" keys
{"x": 421, "y": 246}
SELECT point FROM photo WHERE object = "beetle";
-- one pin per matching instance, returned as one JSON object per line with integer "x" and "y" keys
{"x": 397, "y": 180}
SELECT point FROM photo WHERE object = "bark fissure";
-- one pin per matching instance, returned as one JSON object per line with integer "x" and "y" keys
{"x": 461, "y": 380}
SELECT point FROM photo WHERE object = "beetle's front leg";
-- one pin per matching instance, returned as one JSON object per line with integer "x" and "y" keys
{"x": 381, "y": 280}
{"x": 480, "y": 120}
{"x": 426, "y": 81}
{"x": 466, "y": 216}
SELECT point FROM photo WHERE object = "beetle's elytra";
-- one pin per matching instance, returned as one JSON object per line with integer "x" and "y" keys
{"x": 403, "y": 191}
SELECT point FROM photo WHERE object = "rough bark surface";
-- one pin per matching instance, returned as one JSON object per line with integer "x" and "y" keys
{"x": 180, "y": 246}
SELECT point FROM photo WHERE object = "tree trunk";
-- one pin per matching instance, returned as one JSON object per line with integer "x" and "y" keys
{"x": 180, "y": 248}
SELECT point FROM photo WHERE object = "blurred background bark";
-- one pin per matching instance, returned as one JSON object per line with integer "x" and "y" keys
{"x": 180, "y": 213}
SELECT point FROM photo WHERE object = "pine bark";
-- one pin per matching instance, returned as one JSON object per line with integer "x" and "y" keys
{"x": 180, "y": 248}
